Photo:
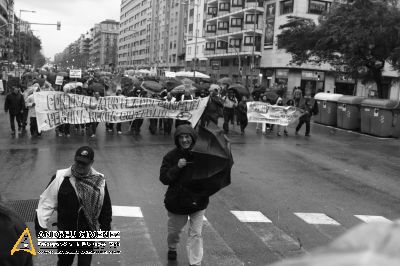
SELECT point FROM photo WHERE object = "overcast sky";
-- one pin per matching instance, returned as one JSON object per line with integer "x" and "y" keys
{"x": 76, "y": 16}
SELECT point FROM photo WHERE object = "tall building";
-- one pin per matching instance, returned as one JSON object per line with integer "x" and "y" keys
{"x": 6, "y": 28}
{"x": 234, "y": 32}
{"x": 105, "y": 44}
{"x": 134, "y": 34}
{"x": 152, "y": 34}
{"x": 195, "y": 42}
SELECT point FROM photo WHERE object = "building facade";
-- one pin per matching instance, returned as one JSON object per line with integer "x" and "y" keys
{"x": 105, "y": 44}
{"x": 195, "y": 41}
{"x": 6, "y": 29}
{"x": 234, "y": 33}
{"x": 134, "y": 34}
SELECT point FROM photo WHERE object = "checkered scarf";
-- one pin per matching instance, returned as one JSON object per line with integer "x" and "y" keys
{"x": 88, "y": 188}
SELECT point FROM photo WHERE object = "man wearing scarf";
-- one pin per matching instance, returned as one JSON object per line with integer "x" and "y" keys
{"x": 80, "y": 196}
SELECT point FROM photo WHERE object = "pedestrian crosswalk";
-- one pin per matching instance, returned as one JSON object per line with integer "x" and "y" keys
{"x": 139, "y": 248}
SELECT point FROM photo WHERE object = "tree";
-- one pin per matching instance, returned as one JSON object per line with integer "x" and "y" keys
{"x": 357, "y": 38}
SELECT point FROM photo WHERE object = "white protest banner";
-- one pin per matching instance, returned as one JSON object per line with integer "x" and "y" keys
{"x": 57, "y": 108}
{"x": 259, "y": 112}
{"x": 75, "y": 73}
{"x": 59, "y": 80}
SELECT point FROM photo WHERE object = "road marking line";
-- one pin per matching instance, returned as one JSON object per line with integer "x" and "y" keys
{"x": 372, "y": 218}
{"x": 316, "y": 218}
{"x": 251, "y": 217}
{"x": 217, "y": 251}
{"x": 127, "y": 211}
{"x": 273, "y": 237}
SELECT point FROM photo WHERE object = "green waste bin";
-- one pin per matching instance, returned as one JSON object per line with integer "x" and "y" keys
{"x": 380, "y": 117}
{"x": 327, "y": 106}
{"x": 348, "y": 112}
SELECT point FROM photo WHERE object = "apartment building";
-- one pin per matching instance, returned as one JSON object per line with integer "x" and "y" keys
{"x": 195, "y": 41}
{"x": 104, "y": 46}
{"x": 134, "y": 34}
{"x": 234, "y": 33}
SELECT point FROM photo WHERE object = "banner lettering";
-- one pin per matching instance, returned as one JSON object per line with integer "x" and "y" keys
{"x": 57, "y": 108}
{"x": 260, "y": 112}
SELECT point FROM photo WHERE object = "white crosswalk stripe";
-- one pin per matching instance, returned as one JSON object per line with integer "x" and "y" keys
{"x": 273, "y": 237}
{"x": 316, "y": 218}
{"x": 372, "y": 219}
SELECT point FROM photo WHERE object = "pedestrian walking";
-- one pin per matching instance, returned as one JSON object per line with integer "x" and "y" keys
{"x": 279, "y": 102}
{"x": 80, "y": 196}
{"x": 242, "y": 114}
{"x": 184, "y": 198}
{"x": 30, "y": 103}
{"x": 214, "y": 109}
{"x": 309, "y": 108}
{"x": 230, "y": 102}
{"x": 15, "y": 105}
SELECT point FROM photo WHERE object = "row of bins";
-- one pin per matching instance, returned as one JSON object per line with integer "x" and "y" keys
{"x": 377, "y": 117}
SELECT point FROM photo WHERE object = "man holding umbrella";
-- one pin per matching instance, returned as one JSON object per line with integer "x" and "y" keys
{"x": 192, "y": 173}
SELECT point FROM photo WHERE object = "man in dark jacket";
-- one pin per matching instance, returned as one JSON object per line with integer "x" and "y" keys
{"x": 15, "y": 105}
{"x": 213, "y": 109}
{"x": 309, "y": 107}
{"x": 185, "y": 197}
{"x": 80, "y": 195}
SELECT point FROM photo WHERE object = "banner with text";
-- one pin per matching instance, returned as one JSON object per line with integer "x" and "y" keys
{"x": 57, "y": 108}
{"x": 259, "y": 112}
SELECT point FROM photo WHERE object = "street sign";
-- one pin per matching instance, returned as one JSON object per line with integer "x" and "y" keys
{"x": 75, "y": 73}
{"x": 59, "y": 80}
{"x": 216, "y": 65}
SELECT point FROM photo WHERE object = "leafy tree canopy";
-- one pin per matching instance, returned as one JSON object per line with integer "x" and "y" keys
{"x": 356, "y": 37}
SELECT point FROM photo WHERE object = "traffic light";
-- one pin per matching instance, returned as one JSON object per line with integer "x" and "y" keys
{"x": 58, "y": 25}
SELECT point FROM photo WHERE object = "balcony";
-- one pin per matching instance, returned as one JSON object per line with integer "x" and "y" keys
{"x": 222, "y": 31}
{"x": 239, "y": 13}
{"x": 210, "y": 33}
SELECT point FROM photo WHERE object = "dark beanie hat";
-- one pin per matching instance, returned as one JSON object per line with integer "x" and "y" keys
{"x": 184, "y": 129}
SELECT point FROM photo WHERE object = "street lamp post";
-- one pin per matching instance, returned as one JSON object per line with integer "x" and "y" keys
{"x": 19, "y": 31}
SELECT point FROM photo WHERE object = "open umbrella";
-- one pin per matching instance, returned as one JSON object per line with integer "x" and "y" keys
{"x": 179, "y": 89}
{"x": 240, "y": 89}
{"x": 152, "y": 86}
{"x": 97, "y": 87}
{"x": 212, "y": 159}
{"x": 272, "y": 96}
{"x": 187, "y": 81}
{"x": 225, "y": 80}
{"x": 62, "y": 73}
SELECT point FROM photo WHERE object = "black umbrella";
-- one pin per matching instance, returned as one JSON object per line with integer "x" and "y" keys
{"x": 212, "y": 159}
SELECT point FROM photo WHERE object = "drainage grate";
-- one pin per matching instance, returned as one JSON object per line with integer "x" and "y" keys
{"x": 26, "y": 209}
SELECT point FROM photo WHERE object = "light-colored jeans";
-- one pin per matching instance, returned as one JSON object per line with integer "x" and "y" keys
{"x": 194, "y": 245}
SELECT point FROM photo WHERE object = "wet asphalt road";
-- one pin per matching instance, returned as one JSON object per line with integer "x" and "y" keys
{"x": 335, "y": 173}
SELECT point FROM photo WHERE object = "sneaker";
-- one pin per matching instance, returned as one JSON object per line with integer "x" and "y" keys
{"x": 172, "y": 255}
{"x": 93, "y": 136}
{"x": 60, "y": 134}
{"x": 68, "y": 135}
{"x": 307, "y": 135}
{"x": 109, "y": 130}
{"x": 119, "y": 132}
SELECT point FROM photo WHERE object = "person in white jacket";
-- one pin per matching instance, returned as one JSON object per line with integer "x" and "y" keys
{"x": 30, "y": 103}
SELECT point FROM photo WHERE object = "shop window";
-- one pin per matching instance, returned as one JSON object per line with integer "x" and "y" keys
{"x": 318, "y": 7}
{"x": 286, "y": 7}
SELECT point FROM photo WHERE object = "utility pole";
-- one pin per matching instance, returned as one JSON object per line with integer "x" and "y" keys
{"x": 253, "y": 65}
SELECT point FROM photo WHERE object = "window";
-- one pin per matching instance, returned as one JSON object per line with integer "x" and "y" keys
{"x": 235, "y": 42}
{"x": 251, "y": 19}
{"x": 286, "y": 7}
{"x": 248, "y": 40}
{"x": 318, "y": 7}
{"x": 223, "y": 25}
{"x": 211, "y": 28}
{"x": 236, "y": 22}
{"x": 222, "y": 45}
{"x": 210, "y": 46}
{"x": 191, "y": 12}
{"x": 224, "y": 6}
{"x": 212, "y": 11}
{"x": 237, "y": 3}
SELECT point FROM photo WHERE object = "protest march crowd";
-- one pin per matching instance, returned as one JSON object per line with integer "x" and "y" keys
{"x": 226, "y": 100}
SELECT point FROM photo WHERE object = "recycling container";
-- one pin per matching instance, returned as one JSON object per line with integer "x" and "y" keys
{"x": 327, "y": 106}
{"x": 380, "y": 117}
{"x": 348, "y": 112}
